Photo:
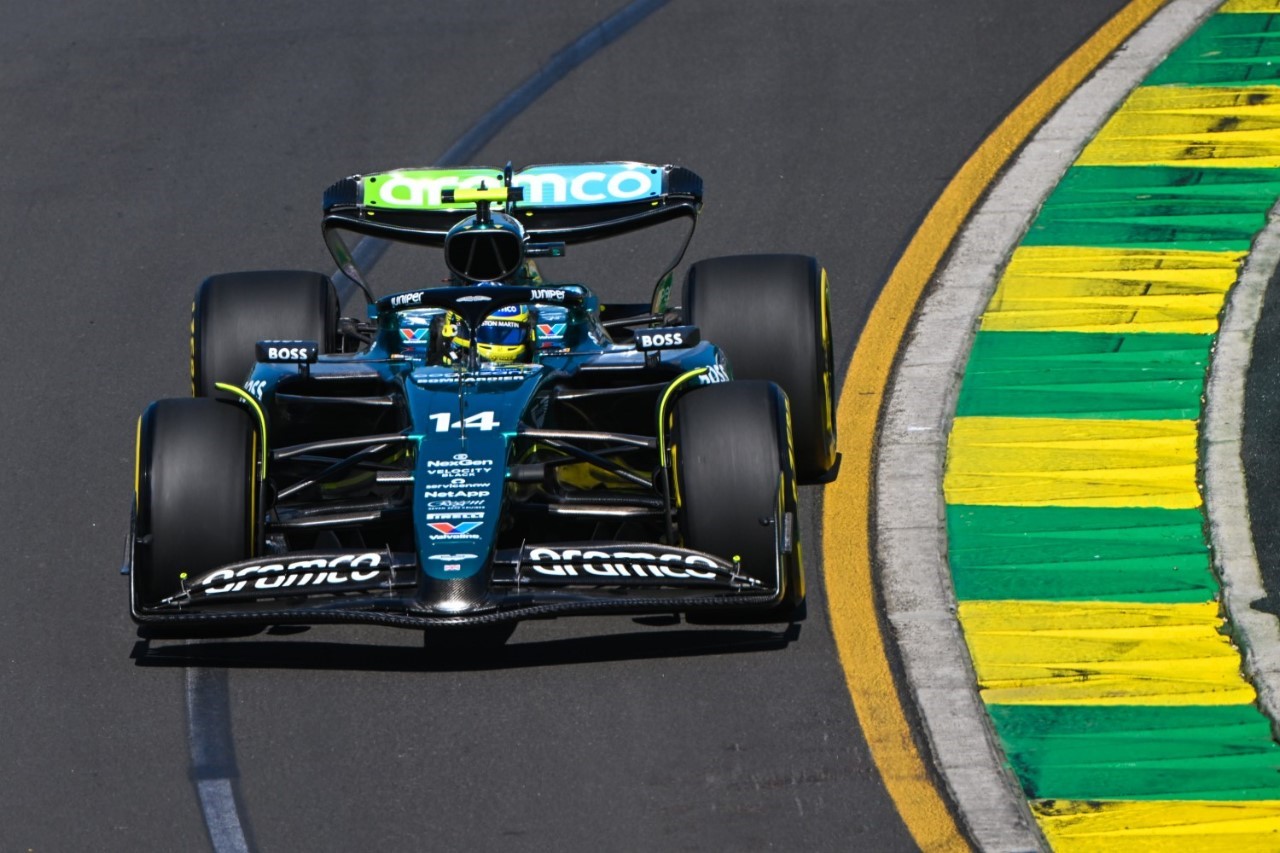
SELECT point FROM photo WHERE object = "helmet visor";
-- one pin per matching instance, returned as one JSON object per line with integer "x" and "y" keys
{"x": 501, "y": 332}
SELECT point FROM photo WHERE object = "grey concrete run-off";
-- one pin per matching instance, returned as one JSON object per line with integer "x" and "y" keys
{"x": 911, "y": 541}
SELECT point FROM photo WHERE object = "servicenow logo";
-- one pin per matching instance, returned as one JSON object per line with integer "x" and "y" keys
{"x": 595, "y": 183}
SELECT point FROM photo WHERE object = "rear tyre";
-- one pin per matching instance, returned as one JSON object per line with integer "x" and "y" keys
{"x": 234, "y": 311}
{"x": 197, "y": 493}
{"x": 770, "y": 316}
{"x": 736, "y": 486}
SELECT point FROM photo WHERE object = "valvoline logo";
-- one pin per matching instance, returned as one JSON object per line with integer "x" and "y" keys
{"x": 450, "y": 529}
{"x": 551, "y": 330}
{"x": 415, "y": 336}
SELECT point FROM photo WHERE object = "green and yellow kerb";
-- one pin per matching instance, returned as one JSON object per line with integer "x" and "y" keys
{"x": 1074, "y": 514}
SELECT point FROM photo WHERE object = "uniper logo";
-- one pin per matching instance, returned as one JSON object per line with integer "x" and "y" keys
{"x": 596, "y": 183}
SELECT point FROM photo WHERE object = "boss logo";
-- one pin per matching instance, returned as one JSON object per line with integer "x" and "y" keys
{"x": 675, "y": 337}
{"x": 288, "y": 352}
{"x": 715, "y": 374}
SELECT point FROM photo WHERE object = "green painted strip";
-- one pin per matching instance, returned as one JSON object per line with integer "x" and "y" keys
{"x": 1195, "y": 752}
{"x": 1067, "y": 374}
{"x": 1079, "y": 554}
{"x": 1229, "y": 50}
{"x": 1156, "y": 207}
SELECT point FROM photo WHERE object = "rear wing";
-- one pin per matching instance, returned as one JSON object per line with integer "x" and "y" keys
{"x": 570, "y": 203}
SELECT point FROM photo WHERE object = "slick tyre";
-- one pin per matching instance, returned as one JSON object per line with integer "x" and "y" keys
{"x": 232, "y": 312}
{"x": 197, "y": 493}
{"x": 770, "y": 316}
{"x": 736, "y": 487}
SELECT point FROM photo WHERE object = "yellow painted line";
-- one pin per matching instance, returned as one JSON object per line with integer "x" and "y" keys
{"x": 1191, "y": 126}
{"x": 1264, "y": 6}
{"x": 1072, "y": 462}
{"x": 1074, "y": 826}
{"x": 1102, "y": 653}
{"x": 1087, "y": 289}
{"x": 850, "y": 589}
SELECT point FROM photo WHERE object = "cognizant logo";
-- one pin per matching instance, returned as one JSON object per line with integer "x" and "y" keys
{"x": 595, "y": 183}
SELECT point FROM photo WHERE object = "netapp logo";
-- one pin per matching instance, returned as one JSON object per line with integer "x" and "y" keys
{"x": 317, "y": 571}
{"x": 571, "y": 562}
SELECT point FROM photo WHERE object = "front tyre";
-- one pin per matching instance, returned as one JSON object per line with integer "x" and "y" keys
{"x": 196, "y": 493}
{"x": 735, "y": 484}
{"x": 232, "y": 312}
{"x": 770, "y": 315}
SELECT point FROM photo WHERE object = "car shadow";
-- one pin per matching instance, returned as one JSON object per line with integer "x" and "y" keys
{"x": 253, "y": 653}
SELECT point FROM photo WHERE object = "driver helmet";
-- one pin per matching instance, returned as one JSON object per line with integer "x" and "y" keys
{"x": 504, "y": 336}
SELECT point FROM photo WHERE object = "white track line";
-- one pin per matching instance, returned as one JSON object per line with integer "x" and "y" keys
{"x": 213, "y": 758}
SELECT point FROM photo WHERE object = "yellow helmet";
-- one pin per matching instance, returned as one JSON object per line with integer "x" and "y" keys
{"x": 504, "y": 336}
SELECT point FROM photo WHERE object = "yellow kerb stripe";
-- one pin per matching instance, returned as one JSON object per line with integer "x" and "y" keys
{"x": 1074, "y": 826}
{"x": 1078, "y": 289}
{"x": 1102, "y": 653}
{"x": 1184, "y": 126}
{"x": 1072, "y": 462}
{"x": 1264, "y": 6}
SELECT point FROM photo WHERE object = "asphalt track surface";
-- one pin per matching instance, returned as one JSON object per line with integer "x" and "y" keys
{"x": 147, "y": 146}
{"x": 1261, "y": 462}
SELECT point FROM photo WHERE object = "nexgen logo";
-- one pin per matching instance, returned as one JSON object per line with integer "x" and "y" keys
{"x": 596, "y": 183}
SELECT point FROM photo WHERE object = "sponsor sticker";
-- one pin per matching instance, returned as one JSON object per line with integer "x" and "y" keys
{"x": 591, "y": 183}
{"x": 312, "y": 571}
{"x": 415, "y": 336}
{"x": 617, "y": 563}
{"x": 459, "y": 461}
{"x": 446, "y": 504}
{"x": 674, "y": 337}
{"x": 595, "y": 183}
{"x": 287, "y": 352}
{"x": 449, "y": 528}
{"x": 715, "y": 374}
{"x": 460, "y": 474}
{"x": 401, "y": 299}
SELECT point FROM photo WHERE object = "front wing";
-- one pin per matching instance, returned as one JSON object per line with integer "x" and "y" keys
{"x": 389, "y": 588}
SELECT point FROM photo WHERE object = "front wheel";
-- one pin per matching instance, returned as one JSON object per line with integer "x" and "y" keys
{"x": 197, "y": 492}
{"x": 233, "y": 311}
{"x": 735, "y": 484}
{"x": 770, "y": 315}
